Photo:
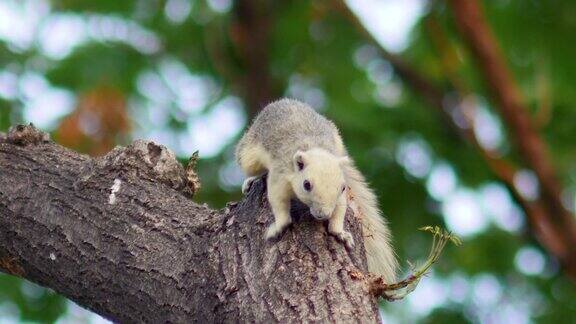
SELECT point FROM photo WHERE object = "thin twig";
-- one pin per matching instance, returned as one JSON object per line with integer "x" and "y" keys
{"x": 402, "y": 288}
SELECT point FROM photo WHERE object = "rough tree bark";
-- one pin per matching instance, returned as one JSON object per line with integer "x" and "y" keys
{"x": 120, "y": 235}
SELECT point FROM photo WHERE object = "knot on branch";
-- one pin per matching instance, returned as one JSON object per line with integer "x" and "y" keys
{"x": 24, "y": 135}
{"x": 152, "y": 161}
{"x": 10, "y": 265}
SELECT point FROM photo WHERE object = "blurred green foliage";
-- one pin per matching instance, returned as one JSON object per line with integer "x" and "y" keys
{"x": 31, "y": 302}
{"x": 313, "y": 48}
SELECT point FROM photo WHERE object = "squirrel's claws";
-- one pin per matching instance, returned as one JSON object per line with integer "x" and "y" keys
{"x": 275, "y": 230}
{"x": 346, "y": 238}
{"x": 272, "y": 232}
{"x": 247, "y": 184}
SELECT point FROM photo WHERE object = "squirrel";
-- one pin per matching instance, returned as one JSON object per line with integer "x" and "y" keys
{"x": 304, "y": 156}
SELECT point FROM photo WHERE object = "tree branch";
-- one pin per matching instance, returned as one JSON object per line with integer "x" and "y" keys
{"x": 556, "y": 240}
{"x": 429, "y": 92}
{"x": 501, "y": 167}
{"x": 251, "y": 32}
{"x": 120, "y": 236}
{"x": 483, "y": 45}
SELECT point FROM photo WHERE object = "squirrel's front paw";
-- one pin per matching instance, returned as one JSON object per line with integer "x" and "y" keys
{"x": 275, "y": 230}
{"x": 247, "y": 184}
{"x": 346, "y": 238}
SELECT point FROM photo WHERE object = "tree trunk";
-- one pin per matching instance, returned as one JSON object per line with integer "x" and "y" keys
{"x": 120, "y": 235}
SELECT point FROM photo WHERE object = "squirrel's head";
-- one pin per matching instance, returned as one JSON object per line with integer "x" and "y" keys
{"x": 318, "y": 181}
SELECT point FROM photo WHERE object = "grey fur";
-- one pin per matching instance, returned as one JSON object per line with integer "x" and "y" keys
{"x": 287, "y": 126}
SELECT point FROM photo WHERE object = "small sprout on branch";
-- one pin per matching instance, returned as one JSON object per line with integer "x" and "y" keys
{"x": 193, "y": 160}
{"x": 191, "y": 175}
{"x": 24, "y": 135}
{"x": 402, "y": 288}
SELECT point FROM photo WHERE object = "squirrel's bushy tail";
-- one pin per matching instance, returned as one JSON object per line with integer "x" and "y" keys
{"x": 379, "y": 252}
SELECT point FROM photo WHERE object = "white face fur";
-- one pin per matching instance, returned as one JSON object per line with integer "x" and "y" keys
{"x": 318, "y": 181}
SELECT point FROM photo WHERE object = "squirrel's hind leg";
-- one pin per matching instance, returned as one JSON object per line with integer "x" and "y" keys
{"x": 253, "y": 160}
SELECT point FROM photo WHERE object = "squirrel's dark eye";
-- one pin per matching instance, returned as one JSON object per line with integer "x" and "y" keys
{"x": 307, "y": 185}
{"x": 300, "y": 165}
{"x": 343, "y": 188}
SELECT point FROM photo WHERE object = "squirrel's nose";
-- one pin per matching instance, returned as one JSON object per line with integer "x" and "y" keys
{"x": 319, "y": 214}
{"x": 327, "y": 212}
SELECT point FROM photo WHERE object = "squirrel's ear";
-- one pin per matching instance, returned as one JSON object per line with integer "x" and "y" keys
{"x": 298, "y": 161}
{"x": 344, "y": 160}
